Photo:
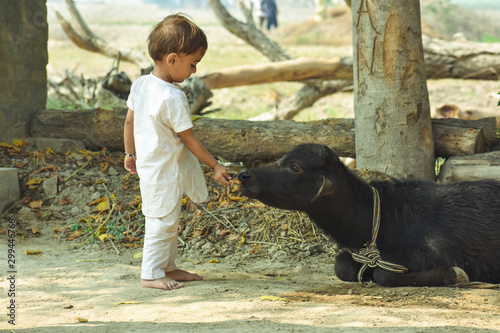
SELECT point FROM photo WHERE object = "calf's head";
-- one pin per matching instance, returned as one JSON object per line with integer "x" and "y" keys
{"x": 298, "y": 179}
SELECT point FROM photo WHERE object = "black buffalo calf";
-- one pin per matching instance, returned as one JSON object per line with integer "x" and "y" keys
{"x": 441, "y": 234}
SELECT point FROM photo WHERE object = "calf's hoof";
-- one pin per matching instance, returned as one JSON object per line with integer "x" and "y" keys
{"x": 461, "y": 275}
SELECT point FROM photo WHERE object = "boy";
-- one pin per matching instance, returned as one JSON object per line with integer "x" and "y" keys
{"x": 159, "y": 146}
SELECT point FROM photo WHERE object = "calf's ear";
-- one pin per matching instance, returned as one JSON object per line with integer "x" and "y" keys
{"x": 324, "y": 186}
{"x": 329, "y": 157}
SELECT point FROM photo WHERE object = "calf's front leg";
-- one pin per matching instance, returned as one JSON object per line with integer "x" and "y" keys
{"x": 346, "y": 269}
{"x": 429, "y": 278}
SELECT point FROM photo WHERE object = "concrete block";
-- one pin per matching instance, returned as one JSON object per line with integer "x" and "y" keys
{"x": 59, "y": 146}
{"x": 9, "y": 188}
{"x": 50, "y": 187}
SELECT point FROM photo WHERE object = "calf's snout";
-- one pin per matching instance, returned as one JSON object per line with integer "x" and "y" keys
{"x": 244, "y": 175}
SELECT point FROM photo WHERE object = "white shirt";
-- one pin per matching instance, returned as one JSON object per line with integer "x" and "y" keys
{"x": 257, "y": 7}
{"x": 165, "y": 166}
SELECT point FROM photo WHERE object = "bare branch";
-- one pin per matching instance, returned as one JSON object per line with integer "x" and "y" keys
{"x": 249, "y": 33}
{"x": 247, "y": 12}
{"x": 91, "y": 42}
{"x": 304, "y": 98}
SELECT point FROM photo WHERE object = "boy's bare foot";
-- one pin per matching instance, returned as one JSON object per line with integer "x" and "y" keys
{"x": 165, "y": 283}
{"x": 180, "y": 275}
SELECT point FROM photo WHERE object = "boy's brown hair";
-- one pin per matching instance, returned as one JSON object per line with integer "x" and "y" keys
{"x": 175, "y": 34}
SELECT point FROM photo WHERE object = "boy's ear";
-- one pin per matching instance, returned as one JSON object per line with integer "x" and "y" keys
{"x": 171, "y": 59}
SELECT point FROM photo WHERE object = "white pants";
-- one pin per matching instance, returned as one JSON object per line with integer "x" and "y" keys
{"x": 160, "y": 245}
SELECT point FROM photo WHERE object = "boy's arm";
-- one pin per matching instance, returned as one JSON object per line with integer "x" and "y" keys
{"x": 220, "y": 173}
{"x": 128, "y": 139}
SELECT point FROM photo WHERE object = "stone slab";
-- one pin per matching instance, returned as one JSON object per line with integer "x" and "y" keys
{"x": 9, "y": 188}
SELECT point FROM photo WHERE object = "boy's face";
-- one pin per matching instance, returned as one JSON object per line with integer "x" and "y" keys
{"x": 179, "y": 67}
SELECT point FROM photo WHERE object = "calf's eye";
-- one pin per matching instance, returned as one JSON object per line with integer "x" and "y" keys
{"x": 294, "y": 168}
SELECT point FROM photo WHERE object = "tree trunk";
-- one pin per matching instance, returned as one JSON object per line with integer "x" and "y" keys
{"x": 391, "y": 102}
{"x": 252, "y": 141}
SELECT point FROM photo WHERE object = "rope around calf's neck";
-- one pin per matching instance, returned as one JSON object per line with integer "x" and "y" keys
{"x": 369, "y": 256}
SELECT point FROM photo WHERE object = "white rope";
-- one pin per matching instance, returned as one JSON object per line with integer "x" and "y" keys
{"x": 369, "y": 256}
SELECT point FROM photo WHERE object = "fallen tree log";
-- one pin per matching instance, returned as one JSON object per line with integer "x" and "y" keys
{"x": 251, "y": 141}
{"x": 470, "y": 168}
{"x": 288, "y": 70}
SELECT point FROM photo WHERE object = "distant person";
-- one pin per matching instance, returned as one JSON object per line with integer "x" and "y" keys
{"x": 161, "y": 148}
{"x": 270, "y": 8}
{"x": 261, "y": 15}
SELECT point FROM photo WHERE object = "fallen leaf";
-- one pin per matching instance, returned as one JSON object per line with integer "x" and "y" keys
{"x": 35, "y": 181}
{"x": 213, "y": 261}
{"x": 98, "y": 200}
{"x": 65, "y": 201}
{"x": 36, "y": 204}
{"x": 35, "y": 230}
{"x": 46, "y": 168}
{"x": 133, "y": 213}
{"x": 103, "y": 206}
{"x": 81, "y": 320}
{"x": 76, "y": 234}
{"x": 130, "y": 245}
{"x": 33, "y": 252}
{"x": 102, "y": 237}
{"x": 20, "y": 143}
{"x": 120, "y": 303}
{"x": 20, "y": 165}
{"x": 138, "y": 255}
{"x": 54, "y": 229}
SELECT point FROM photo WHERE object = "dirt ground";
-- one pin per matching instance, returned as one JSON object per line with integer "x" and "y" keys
{"x": 89, "y": 289}
{"x": 282, "y": 284}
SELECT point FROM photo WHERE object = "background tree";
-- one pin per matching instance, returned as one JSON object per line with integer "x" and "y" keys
{"x": 391, "y": 102}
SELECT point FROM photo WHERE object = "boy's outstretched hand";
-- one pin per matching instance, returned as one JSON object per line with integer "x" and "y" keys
{"x": 221, "y": 175}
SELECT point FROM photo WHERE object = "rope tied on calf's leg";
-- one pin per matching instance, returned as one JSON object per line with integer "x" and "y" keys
{"x": 370, "y": 255}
